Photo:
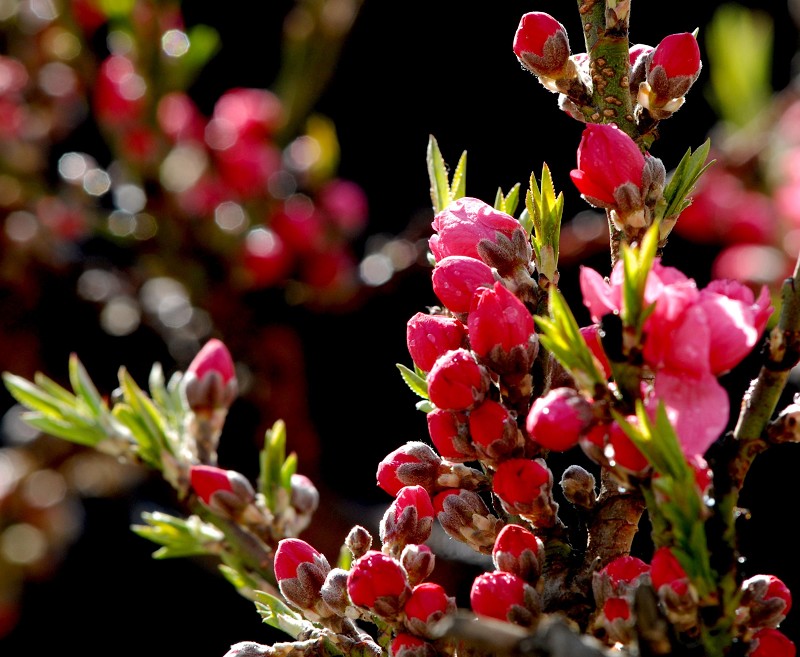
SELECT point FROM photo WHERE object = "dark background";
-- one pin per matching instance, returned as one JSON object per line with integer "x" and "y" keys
{"x": 406, "y": 72}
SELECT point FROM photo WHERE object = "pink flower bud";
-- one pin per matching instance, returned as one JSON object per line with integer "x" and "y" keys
{"x": 678, "y": 57}
{"x": 409, "y": 519}
{"x": 415, "y": 463}
{"x": 619, "y": 578}
{"x": 455, "y": 280}
{"x": 541, "y": 44}
{"x": 666, "y": 570}
{"x": 450, "y": 435}
{"x": 519, "y": 483}
{"x": 301, "y": 571}
{"x": 496, "y": 594}
{"x": 557, "y": 420}
{"x": 429, "y": 336}
{"x": 207, "y": 480}
{"x": 426, "y": 606}
{"x": 210, "y": 380}
{"x": 214, "y": 357}
{"x": 378, "y": 582}
{"x": 494, "y": 431}
{"x": 770, "y": 642}
{"x": 418, "y": 562}
{"x": 465, "y": 517}
{"x": 502, "y": 329}
{"x": 517, "y": 550}
{"x": 607, "y": 159}
{"x": 465, "y": 222}
{"x": 765, "y": 600}
{"x": 457, "y": 382}
{"x": 409, "y": 645}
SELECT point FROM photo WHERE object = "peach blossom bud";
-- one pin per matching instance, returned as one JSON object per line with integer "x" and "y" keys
{"x": 624, "y": 453}
{"x": 608, "y": 160}
{"x": 674, "y": 66}
{"x": 358, "y": 541}
{"x": 494, "y": 431}
{"x": 418, "y": 562}
{"x": 541, "y": 44}
{"x": 334, "y": 591}
{"x": 455, "y": 280}
{"x": 429, "y": 336}
{"x": 378, "y": 582}
{"x": 301, "y": 571}
{"x": 770, "y": 642}
{"x": 619, "y": 578}
{"x": 465, "y": 517}
{"x": 415, "y": 463}
{"x": 502, "y": 330}
{"x": 304, "y": 495}
{"x": 518, "y": 551}
{"x": 410, "y": 645}
{"x": 207, "y": 480}
{"x": 465, "y": 222}
{"x": 450, "y": 435}
{"x": 504, "y": 596}
{"x": 210, "y": 380}
{"x": 524, "y": 487}
{"x": 408, "y": 519}
{"x": 457, "y": 382}
{"x": 766, "y": 600}
{"x": 426, "y": 606}
{"x": 557, "y": 420}
{"x": 578, "y": 485}
{"x": 677, "y": 595}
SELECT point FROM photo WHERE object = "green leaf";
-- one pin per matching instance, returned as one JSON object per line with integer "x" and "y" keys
{"x": 683, "y": 181}
{"x": 33, "y": 397}
{"x": 287, "y": 470}
{"x": 544, "y": 210}
{"x": 276, "y": 614}
{"x": 146, "y": 447}
{"x": 84, "y": 387}
{"x": 273, "y": 457}
{"x": 85, "y": 434}
{"x": 507, "y": 203}
{"x": 417, "y": 383}
{"x": 442, "y": 190}
{"x": 424, "y": 405}
{"x": 178, "y": 537}
{"x": 637, "y": 263}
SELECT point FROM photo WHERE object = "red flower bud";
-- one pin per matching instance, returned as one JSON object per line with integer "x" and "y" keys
{"x": 591, "y": 335}
{"x": 249, "y": 113}
{"x": 409, "y": 519}
{"x": 494, "y": 431}
{"x": 465, "y": 222}
{"x": 213, "y": 358}
{"x": 557, "y": 420}
{"x": 495, "y": 594}
{"x": 541, "y": 44}
{"x": 519, "y": 482}
{"x": 207, "y": 480}
{"x": 457, "y": 382}
{"x": 409, "y": 645}
{"x": 415, "y": 463}
{"x": 301, "y": 571}
{"x": 770, "y": 642}
{"x": 290, "y": 553}
{"x": 465, "y": 517}
{"x": 426, "y": 606}
{"x": 455, "y": 280}
{"x": 498, "y": 323}
{"x": 665, "y": 569}
{"x": 766, "y": 600}
{"x": 607, "y": 159}
{"x": 429, "y": 336}
{"x": 210, "y": 380}
{"x": 450, "y": 436}
{"x": 625, "y": 570}
{"x": 378, "y": 582}
{"x": 679, "y": 55}
{"x": 517, "y": 551}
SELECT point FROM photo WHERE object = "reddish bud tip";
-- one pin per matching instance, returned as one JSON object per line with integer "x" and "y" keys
{"x": 207, "y": 480}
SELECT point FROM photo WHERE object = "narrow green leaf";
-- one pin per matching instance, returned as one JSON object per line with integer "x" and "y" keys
{"x": 684, "y": 179}
{"x": 278, "y": 615}
{"x": 147, "y": 449}
{"x": 31, "y": 396}
{"x": 458, "y": 185}
{"x": 437, "y": 174}
{"x": 56, "y": 390}
{"x": 85, "y": 434}
{"x": 287, "y": 470}
{"x": 414, "y": 381}
{"x": 84, "y": 387}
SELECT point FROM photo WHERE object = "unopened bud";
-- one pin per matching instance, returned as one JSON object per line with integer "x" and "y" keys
{"x": 358, "y": 541}
{"x": 518, "y": 551}
{"x": 301, "y": 571}
{"x": 413, "y": 464}
{"x": 378, "y": 582}
{"x": 765, "y": 601}
{"x": 506, "y": 597}
{"x": 409, "y": 519}
{"x": 410, "y": 645}
{"x": 464, "y": 516}
{"x": 425, "y": 608}
{"x": 525, "y": 487}
{"x": 334, "y": 591}
{"x": 578, "y": 485}
{"x": 494, "y": 432}
{"x": 418, "y": 562}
